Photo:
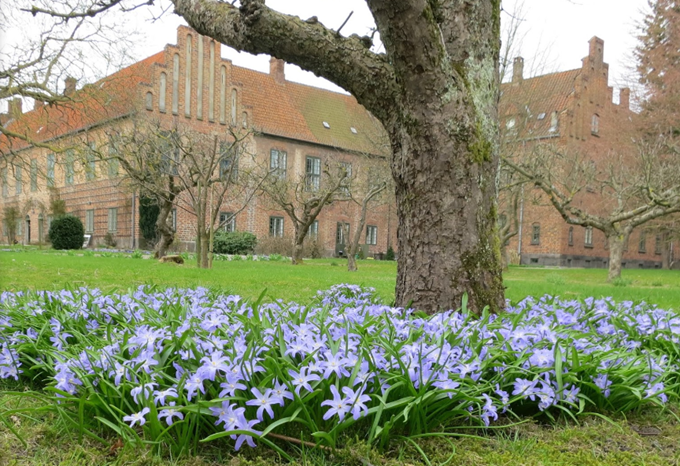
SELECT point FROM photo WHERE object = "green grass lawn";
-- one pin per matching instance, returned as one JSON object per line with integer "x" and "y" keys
{"x": 594, "y": 441}
{"x": 51, "y": 270}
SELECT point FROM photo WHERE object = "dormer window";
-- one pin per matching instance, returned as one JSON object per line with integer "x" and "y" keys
{"x": 510, "y": 124}
{"x": 353, "y": 130}
{"x": 553, "y": 122}
{"x": 326, "y": 125}
{"x": 595, "y": 125}
{"x": 541, "y": 116}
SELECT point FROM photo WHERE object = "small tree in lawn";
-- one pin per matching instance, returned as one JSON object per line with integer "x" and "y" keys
{"x": 366, "y": 190}
{"x": 302, "y": 196}
{"x": 614, "y": 194}
{"x": 149, "y": 156}
{"x": 215, "y": 171}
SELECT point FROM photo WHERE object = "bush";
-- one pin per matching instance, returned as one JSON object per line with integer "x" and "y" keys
{"x": 268, "y": 246}
{"x": 236, "y": 242}
{"x": 390, "y": 254}
{"x": 110, "y": 240}
{"x": 67, "y": 232}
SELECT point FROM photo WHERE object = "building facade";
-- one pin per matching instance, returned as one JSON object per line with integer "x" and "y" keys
{"x": 187, "y": 85}
{"x": 572, "y": 113}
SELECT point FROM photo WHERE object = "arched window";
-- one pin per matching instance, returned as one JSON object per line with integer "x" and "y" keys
{"x": 595, "y": 124}
{"x": 536, "y": 233}
{"x": 161, "y": 92}
{"x": 244, "y": 119}
{"x": 223, "y": 95}
{"x": 149, "y": 101}
{"x": 570, "y": 238}
{"x": 589, "y": 237}
{"x": 233, "y": 107}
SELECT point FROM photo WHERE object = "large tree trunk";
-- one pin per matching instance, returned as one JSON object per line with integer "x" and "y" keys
{"x": 167, "y": 235}
{"x": 616, "y": 242}
{"x": 665, "y": 252}
{"x": 298, "y": 244}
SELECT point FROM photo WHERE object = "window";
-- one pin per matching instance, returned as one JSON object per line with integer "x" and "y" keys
{"x": 228, "y": 162}
{"x": 113, "y": 220}
{"x": 233, "y": 107}
{"x": 89, "y": 221}
{"x": 90, "y": 167}
{"x": 346, "y": 169}
{"x": 244, "y": 119}
{"x": 313, "y": 174}
{"x": 34, "y": 175}
{"x": 49, "y": 222}
{"x": 5, "y": 188}
{"x": 17, "y": 175}
{"x": 149, "y": 101}
{"x": 595, "y": 125}
{"x": 657, "y": 244}
{"x": 589, "y": 237}
{"x": 50, "y": 170}
{"x": 276, "y": 227}
{"x": 68, "y": 170}
{"x": 536, "y": 234}
{"x": 553, "y": 122}
{"x": 113, "y": 161}
{"x": 313, "y": 231}
{"x": 277, "y": 163}
{"x": 642, "y": 246}
{"x": 223, "y": 95}
{"x": 227, "y": 222}
{"x": 371, "y": 234}
{"x": 570, "y": 237}
{"x": 161, "y": 92}
{"x": 340, "y": 232}
{"x": 173, "y": 220}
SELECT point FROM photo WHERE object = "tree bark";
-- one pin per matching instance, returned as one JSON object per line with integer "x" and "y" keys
{"x": 436, "y": 92}
{"x": 298, "y": 244}
{"x": 167, "y": 235}
{"x": 616, "y": 243}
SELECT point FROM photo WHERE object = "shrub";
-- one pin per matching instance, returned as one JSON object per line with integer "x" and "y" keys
{"x": 268, "y": 246}
{"x": 110, "y": 240}
{"x": 137, "y": 254}
{"x": 236, "y": 242}
{"x": 67, "y": 232}
{"x": 148, "y": 214}
{"x": 390, "y": 254}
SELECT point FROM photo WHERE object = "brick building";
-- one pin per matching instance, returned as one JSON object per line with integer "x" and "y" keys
{"x": 570, "y": 111}
{"x": 186, "y": 84}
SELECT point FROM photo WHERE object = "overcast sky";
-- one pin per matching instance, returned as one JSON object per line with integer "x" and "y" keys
{"x": 555, "y": 30}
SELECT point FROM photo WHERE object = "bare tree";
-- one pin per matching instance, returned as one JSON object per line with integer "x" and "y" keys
{"x": 302, "y": 196}
{"x": 149, "y": 156}
{"x": 215, "y": 171}
{"x": 40, "y": 52}
{"x": 614, "y": 194}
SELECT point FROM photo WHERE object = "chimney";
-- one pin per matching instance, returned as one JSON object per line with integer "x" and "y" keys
{"x": 276, "y": 70}
{"x": 14, "y": 108}
{"x": 624, "y": 98}
{"x": 37, "y": 104}
{"x": 596, "y": 52}
{"x": 517, "y": 69}
{"x": 70, "y": 86}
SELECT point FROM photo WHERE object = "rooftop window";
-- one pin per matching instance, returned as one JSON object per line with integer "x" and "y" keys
{"x": 326, "y": 125}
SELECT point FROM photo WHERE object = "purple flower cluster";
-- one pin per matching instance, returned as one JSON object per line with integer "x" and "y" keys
{"x": 170, "y": 352}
